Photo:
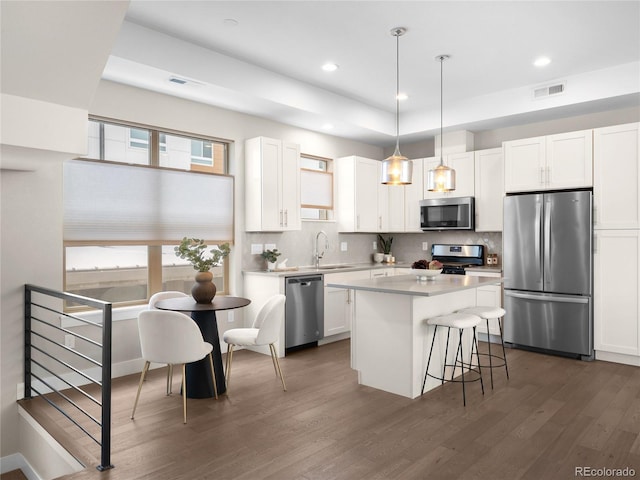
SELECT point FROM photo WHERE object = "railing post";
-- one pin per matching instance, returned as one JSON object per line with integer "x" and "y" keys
{"x": 105, "y": 449}
{"x": 27, "y": 341}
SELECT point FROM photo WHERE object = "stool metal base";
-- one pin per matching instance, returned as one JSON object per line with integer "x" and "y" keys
{"x": 459, "y": 352}
{"x": 502, "y": 359}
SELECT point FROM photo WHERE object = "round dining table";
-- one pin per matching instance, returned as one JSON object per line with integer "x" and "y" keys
{"x": 199, "y": 383}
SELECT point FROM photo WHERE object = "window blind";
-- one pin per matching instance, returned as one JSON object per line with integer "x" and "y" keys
{"x": 125, "y": 203}
{"x": 316, "y": 189}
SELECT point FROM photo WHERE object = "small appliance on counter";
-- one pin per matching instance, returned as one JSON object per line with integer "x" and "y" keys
{"x": 455, "y": 258}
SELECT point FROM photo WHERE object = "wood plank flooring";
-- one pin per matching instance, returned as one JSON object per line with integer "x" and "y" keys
{"x": 553, "y": 415}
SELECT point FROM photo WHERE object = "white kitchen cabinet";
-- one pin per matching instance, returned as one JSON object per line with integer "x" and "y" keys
{"x": 272, "y": 185}
{"x": 616, "y": 183}
{"x": 616, "y": 296}
{"x": 489, "y": 189}
{"x": 548, "y": 163}
{"x": 362, "y": 201}
{"x": 413, "y": 193}
{"x": 391, "y": 208}
{"x": 464, "y": 165}
{"x": 338, "y": 302}
{"x": 488, "y": 296}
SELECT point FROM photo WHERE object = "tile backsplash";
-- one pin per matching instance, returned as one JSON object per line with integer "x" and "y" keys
{"x": 298, "y": 247}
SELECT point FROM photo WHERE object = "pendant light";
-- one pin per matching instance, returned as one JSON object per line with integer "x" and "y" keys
{"x": 441, "y": 178}
{"x": 397, "y": 169}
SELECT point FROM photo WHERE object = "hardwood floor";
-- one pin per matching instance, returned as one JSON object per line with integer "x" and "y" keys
{"x": 553, "y": 415}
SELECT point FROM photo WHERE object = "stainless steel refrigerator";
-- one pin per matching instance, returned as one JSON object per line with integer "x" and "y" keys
{"x": 548, "y": 271}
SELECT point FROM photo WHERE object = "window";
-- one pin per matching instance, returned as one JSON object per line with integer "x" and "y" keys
{"x": 316, "y": 188}
{"x": 124, "y": 215}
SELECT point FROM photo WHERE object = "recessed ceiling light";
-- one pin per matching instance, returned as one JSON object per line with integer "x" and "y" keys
{"x": 542, "y": 61}
{"x": 402, "y": 96}
{"x": 330, "y": 67}
{"x": 230, "y": 22}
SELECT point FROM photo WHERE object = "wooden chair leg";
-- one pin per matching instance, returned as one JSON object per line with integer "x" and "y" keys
{"x": 142, "y": 377}
{"x": 213, "y": 377}
{"x": 184, "y": 393}
{"x": 276, "y": 363}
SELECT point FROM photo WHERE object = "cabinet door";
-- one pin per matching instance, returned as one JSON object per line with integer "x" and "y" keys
{"x": 524, "y": 164}
{"x": 617, "y": 292}
{"x": 366, "y": 195}
{"x": 392, "y": 208}
{"x": 337, "y": 311}
{"x": 429, "y": 164}
{"x": 569, "y": 160}
{"x": 290, "y": 181}
{"x": 463, "y": 164}
{"x": 489, "y": 190}
{"x": 412, "y": 195}
{"x": 271, "y": 165}
{"x": 616, "y": 183}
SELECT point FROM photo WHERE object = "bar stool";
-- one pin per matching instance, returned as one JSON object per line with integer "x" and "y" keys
{"x": 490, "y": 313}
{"x": 459, "y": 321}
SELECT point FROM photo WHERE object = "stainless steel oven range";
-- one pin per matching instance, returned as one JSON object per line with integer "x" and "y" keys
{"x": 455, "y": 258}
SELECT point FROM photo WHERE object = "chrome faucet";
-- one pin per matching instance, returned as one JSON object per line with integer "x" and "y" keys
{"x": 317, "y": 255}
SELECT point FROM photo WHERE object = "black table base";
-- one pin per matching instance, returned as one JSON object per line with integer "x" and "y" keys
{"x": 197, "y": 371}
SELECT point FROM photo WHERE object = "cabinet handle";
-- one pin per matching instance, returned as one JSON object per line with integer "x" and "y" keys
{"x": 595, "y": 215}
{"x": 380, "y": 223}
{"x": 595, "y": 243}
{"x": 542, "y": 175}
{"x": 548, "y": 175}
{"x": 357, "y": 222}
{"x": 348, "y": 297}
{"x": 281, "y": 219}
{"x": 286, "y": 217}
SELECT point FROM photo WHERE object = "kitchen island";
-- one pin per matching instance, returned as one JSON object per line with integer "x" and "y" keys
{"x": 390, "y": 338}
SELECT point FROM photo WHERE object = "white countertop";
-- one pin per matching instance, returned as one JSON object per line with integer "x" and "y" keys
{"x": 410, "y": 285}
{"x": 326, "y": 269}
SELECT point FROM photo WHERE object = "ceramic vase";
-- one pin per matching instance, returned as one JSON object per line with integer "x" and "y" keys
{"x": 204, "y": 289}
{"x": 271, "y": 266}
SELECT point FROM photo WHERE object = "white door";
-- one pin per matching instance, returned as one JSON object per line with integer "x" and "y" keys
{"x": 616, "y": 183}
{"x": 524, "y": 164}
{"x": 290, "y": 182}
{"x": 412, "y": 195}
{"x": 272, "y": 213}
{"x": 366, "y": 194}
{"x": 489, "y": 190}
{"x": 617, "y": 292}
{"x": 569, "y": 160}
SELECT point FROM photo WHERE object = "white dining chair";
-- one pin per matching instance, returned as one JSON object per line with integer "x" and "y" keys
{"x": 264, "y": 331}
{"x": 155, "y": 298}
{"x": 175, "y": 339}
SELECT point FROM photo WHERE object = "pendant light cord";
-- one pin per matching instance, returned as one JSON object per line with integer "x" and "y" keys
{"x": 441, "y": 62}
{"x": 397, "y": 152}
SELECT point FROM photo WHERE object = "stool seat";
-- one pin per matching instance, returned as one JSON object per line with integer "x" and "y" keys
{"x": 455, "y": 320}
{"x": 484, "y": 312}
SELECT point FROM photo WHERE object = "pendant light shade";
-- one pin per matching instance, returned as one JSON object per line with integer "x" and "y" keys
{"x": 397, "y": 169}
{"x": 441, "y": 178}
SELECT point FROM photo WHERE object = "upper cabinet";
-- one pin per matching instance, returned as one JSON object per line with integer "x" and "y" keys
{"x": 548, "y": 163}
{"x": 463, "y": 164}
{"x": 412, "y": 195}
{"x": 272, "y": 185}
{"x": 616, "y": 158}
{"x": 489, "y": 189}
{"x": 358, "y": 190}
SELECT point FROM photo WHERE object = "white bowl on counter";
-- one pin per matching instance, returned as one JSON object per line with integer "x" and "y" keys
{"x": 425, "y": 273}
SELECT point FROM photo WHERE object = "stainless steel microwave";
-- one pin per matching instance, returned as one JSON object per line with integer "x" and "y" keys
{"x": 457, "y": 213}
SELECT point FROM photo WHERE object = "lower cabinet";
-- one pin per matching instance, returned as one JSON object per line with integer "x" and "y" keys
{"x": 616, "y": 296}
{"x": 490, "y": 296}
{"x": 338, "y": 306}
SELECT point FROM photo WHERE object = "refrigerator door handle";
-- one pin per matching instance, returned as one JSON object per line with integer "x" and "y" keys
{"x": 538, "y": 233}
{"x": 548, "y": 210}
{"x": 547, "y": 298}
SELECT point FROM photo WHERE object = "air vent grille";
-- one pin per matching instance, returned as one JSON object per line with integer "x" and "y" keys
{"x": 177, "y": 80}
{"x": 548, "y": 90}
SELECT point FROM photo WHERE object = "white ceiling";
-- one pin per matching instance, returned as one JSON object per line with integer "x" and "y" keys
{"x": 268, "y": 64}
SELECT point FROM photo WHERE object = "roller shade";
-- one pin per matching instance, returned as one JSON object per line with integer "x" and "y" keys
{"x": 125, "y": 203}
{"x": 316, "y": 189}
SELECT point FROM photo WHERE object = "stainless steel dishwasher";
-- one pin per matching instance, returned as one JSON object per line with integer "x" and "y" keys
{"x": 304, "y": 311}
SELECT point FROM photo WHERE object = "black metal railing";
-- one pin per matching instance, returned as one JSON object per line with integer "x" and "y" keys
{"x": 54, "y": 370}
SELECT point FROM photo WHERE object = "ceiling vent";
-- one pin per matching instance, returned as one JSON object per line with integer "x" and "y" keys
{"x": 179, "y": 81}
{"x": 548, "y": 90}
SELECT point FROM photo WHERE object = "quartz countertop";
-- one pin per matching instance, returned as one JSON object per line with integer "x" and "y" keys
{"x": 328, "y": 268}
{"x": 410, "y": 285}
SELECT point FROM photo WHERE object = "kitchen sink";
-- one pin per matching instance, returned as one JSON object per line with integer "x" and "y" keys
{"x": 333, "y": 267}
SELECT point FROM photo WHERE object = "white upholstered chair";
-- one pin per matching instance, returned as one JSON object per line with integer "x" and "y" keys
{"x": 172, "y": 338}
{"x": 264, "y": 331}
{"x": 155, "y": 298}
